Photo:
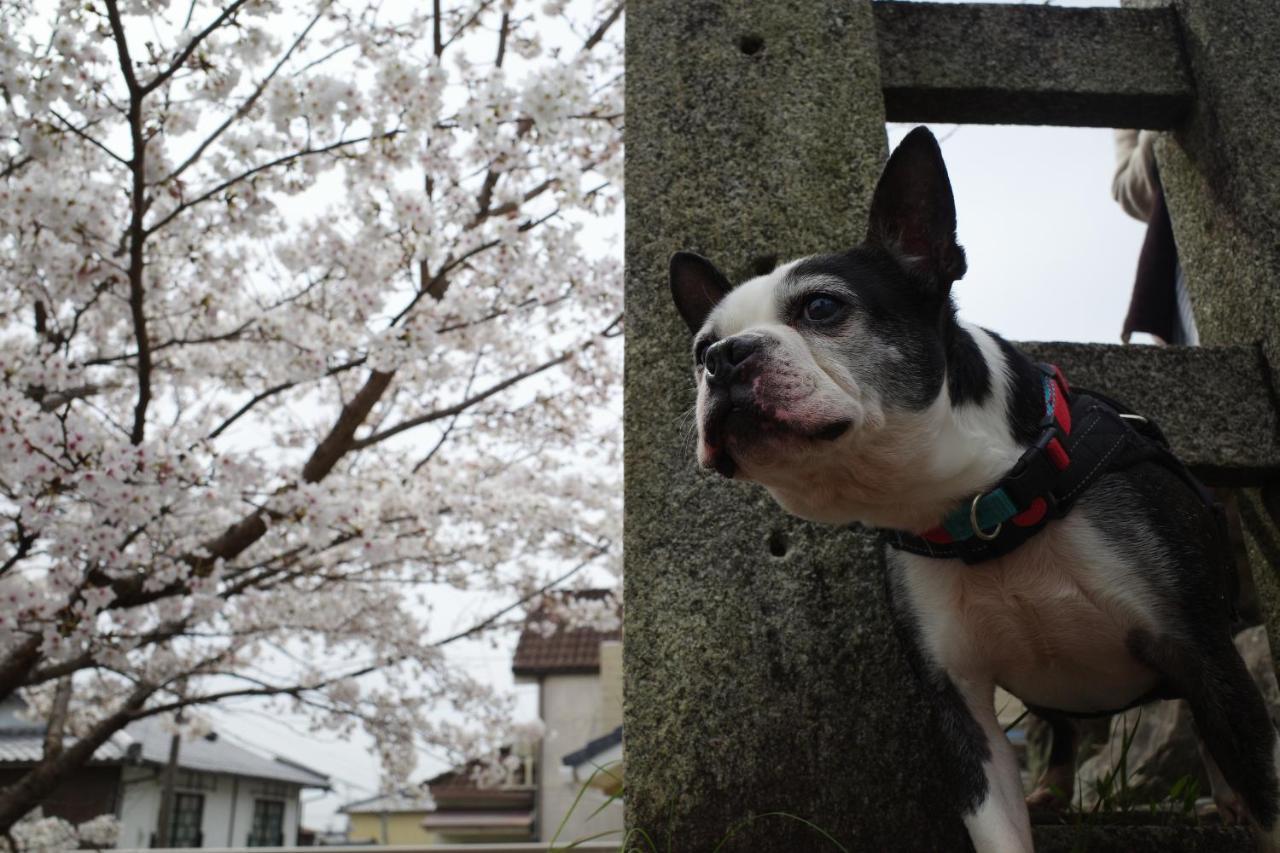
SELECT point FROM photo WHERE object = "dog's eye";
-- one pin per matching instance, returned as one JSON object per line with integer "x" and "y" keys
{"x": 821, "y": 308}
{"x": 700, "y": 351}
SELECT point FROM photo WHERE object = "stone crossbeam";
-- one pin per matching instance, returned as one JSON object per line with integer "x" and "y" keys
{"x": 978, "y": 63}
{"x": 1214, "y": 404}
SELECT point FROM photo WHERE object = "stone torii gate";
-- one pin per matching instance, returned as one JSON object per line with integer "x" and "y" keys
{"x": 761, "y": 670}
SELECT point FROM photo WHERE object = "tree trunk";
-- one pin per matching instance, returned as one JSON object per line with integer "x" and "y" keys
{"x": 57, "y": 722}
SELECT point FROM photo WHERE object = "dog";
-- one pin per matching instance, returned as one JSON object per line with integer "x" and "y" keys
{"x": 847, "y": 387}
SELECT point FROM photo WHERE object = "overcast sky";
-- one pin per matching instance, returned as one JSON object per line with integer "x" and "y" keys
{"x": 1051, "y": 257}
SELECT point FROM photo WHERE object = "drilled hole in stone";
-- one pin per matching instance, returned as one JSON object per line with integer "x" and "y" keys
{"x": 750, "y": 44}
{"x": 764, "y": 264}
{"x": 778, "y": 543}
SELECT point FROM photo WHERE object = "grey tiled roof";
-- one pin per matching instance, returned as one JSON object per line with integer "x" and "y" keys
{"x": 26, "y": 748}
{"x": 22, "y": 742}
{"x": 220, "y": 756}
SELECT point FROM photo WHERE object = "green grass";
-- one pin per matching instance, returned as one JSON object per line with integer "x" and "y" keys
{"x": 637, "y": 840}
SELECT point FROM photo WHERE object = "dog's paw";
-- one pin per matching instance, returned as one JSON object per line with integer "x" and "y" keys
{"x": 1231, "y": 808}
{"x": 1048, "y": 798}
{"x": 1054, "y": 790}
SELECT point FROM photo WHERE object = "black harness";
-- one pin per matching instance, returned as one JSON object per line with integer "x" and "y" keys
{"x": 1083, "y": 436}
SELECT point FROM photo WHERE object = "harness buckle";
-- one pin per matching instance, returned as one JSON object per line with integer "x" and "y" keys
{"x": 1048, "y": 445}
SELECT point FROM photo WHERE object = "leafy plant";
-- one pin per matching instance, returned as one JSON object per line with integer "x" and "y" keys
{"x": 637, "y": 840}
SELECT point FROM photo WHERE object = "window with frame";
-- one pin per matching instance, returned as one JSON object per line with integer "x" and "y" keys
{"x": 268, "y": 824}
{"x": 185, "y": 824}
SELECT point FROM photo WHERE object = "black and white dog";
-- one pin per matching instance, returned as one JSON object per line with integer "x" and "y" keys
{"x": 848, "y": 388}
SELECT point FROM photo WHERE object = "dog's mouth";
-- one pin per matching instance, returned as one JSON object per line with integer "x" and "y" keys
{"x": 743, "y": 422}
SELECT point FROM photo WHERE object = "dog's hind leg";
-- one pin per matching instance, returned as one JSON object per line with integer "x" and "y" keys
{"x": 1232, "y": 721}
{"x": 1056, "y": 785}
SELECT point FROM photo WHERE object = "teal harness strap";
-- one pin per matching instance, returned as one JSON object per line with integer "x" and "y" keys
{"x": 994, "y": 508}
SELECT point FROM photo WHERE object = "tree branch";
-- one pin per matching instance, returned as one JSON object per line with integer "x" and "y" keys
{"x": 340, "y": 438}
{"x": 462, "y": 405}
{"x": 437, "y": 30}
{"x": 489, "y": 622}
{"x": 137, "y": 235}
{"x": 466, "y": 25}
{"x": 14, "y": 166}
{"x": 122, "y": 46}
{"x": 503, "y": 29}
{"x": 56, "y": 723}
{"x": 38, "y": 782}
{"x": 600, "y": 31}
{"x": 87, "y": 138}
{"x": 278, "y": 389}
{"x": 186, "y": 52}
{"x": 250, "y": 101}
{"x": 478, "y": 397}
{"x": 279, "y": 161}
{"x": 24, "y": 542}
{"x": 175, "y": 342}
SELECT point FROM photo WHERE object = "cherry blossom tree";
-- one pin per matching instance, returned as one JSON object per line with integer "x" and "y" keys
{"x": 297, "y": 325}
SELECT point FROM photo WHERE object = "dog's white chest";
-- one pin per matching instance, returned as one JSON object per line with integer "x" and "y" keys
{"x": 1048, "y": 622}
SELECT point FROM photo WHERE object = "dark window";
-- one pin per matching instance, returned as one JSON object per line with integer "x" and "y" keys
{"x": 188, "y": 814}
{"x": 268, "y": 824}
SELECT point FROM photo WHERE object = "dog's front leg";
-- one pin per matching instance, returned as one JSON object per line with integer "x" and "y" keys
{"x": 981, "y": 761}
{"x": 997, "y": 820}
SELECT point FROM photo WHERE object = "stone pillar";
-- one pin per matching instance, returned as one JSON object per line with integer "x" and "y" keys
{"x": 1221, "y": 174}
{"x": 762, "y": 673}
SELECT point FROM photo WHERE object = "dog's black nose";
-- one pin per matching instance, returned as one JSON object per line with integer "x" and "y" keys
{"x": 725, "y": 359}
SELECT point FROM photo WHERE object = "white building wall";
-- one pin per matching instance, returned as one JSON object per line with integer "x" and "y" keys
{"x": 222, "y": 825}
{"x": 139, "y": 806}
{"x": 572, "y": 715}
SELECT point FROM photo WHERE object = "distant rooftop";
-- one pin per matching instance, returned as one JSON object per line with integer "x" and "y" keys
{"x": 147, "y": 741}
{"x": 564, "y": 650}
{"x": 594, "y": 748}
{"x": 393, "y": 803}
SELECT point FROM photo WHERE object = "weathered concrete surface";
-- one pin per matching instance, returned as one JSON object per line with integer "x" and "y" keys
{"x": 993, "y": 64}
{"x": 1221, "y": 174}
{"x": 1089, "y": 838}
{"x": 755, "y": 683}
{"x": 1213, "y": 403}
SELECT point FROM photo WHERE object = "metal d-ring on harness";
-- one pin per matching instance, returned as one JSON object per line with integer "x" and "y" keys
{"x": 977, "y": 528}
{"x": 1083, "y": 435}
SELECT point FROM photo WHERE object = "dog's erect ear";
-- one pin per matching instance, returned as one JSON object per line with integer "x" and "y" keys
{"x": 913, "y": 213}
{"x": 697, "y": 286}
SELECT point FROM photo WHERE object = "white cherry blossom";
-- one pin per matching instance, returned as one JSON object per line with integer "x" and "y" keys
{"x": 297, "y": 329}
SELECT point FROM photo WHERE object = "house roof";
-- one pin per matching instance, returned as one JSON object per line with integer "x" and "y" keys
{"x": 593, "y": 748}
{"x": 216, "y": 755}
{"x": 24, "y": 748}
{"x": 563, "y": 650}
{"x": 147, "y": 741}
{"x": 461, "y": 788}
{"x": 393, "y": 803}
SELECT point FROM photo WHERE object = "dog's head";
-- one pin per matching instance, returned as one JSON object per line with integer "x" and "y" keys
{"x": 814, "y": 379}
